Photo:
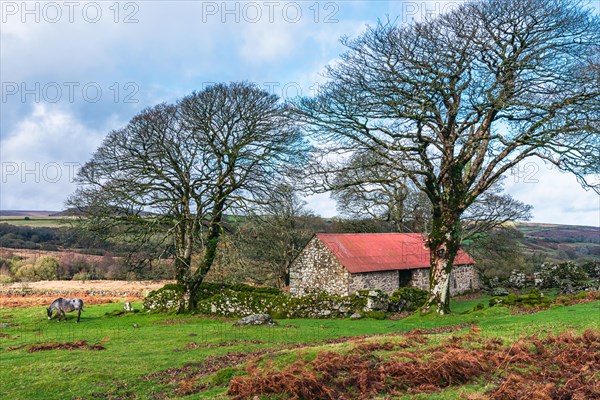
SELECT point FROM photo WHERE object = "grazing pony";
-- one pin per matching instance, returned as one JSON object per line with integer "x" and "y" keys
{"x": 65, "y": 305}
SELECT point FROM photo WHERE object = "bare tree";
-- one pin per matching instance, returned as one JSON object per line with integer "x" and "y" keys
{"x": 368, "y": 187}
{"x": 492, "y": 209}
{"x": 250, "y": 141}
{"x": 278, "y": 231}
{"x": 142, "y": 187}
{"x": 189, "y": 164}
{"x": 453, "y": 103}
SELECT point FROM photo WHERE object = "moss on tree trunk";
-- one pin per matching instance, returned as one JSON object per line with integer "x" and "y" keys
{"x": 210, "y": 253}
{"x": 443, "y": 243}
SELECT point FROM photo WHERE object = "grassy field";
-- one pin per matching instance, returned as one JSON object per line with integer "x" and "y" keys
{"x": 36, "y": 221}
{"x": 157, "y": 356}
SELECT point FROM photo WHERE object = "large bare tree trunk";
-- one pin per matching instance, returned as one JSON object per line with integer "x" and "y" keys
{"x": 182, "y": 276}
{"x": 210, "y": 253}
{"x": 443, "y": 243}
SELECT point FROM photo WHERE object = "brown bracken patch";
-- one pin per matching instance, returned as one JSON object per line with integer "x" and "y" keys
{"x": 554, "y": 367}
{"x": 229, "y": 343}
{"x": 185, "y": 379}
{"x": 77, "y": 345}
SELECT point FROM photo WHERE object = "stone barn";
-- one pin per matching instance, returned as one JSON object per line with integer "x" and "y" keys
{"x": 344, "y": 263}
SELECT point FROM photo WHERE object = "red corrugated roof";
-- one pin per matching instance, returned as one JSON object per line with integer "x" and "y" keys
{"x": 369, "y": 252}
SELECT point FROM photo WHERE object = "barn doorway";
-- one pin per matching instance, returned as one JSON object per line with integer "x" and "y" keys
{"x": 404, "y": 277}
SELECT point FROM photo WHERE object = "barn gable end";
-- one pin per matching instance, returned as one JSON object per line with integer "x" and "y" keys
{"x": 316, "y": 269}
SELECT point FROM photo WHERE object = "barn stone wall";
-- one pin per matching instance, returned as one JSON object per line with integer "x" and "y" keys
{"x": 317, "y": 270}
{"x": 386, "y": 281}
{"x": 463, "y": 278}
{"x": 420, "y": 278}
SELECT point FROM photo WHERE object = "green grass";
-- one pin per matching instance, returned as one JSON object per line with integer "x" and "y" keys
{"x": 158, "y": 343}
{"x": 46, "y": 222}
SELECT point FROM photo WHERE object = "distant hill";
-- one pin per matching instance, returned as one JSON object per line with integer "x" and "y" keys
{"x": 560, "y": 242}
{"x": 552, "y": 241}
{"x": 69, "y": 212}
{"x": 26, "y": 213}
{"x": 74, "y": 212}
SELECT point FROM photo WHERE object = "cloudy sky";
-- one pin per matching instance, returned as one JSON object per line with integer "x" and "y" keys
{"x": 72, "y": 71}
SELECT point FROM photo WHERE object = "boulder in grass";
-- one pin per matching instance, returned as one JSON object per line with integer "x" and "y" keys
{"x": 356, "y": 316}
{"x": 256, "y": 319}
{"x": 377, "y": 301}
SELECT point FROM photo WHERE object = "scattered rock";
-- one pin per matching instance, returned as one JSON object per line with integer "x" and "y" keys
{"x": 128, "y": 307}
{"x": 500, "y": 291}
{"x": 356, "y": 316}
{"x": 256, "y": 319}
{"x": 135, "y": 325}
{"x": 5, "y": 325}
{"x": 345, "y": 308}
{"x": 518, "y": 279}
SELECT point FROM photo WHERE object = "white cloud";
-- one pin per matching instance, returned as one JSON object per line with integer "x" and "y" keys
{"x": 49, "y": 132}
{"x": 40, "y": 156}
{"x": 322, "y": 205}
{"x": 557, "y": 197}
{"x": 262, "y": 43}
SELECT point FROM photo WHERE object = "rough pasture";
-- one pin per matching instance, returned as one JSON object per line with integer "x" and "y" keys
{"x": 209, "y": 359}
